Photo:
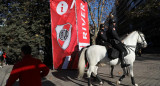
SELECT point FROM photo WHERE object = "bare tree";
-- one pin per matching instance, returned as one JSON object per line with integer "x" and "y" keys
{"x": 98, "y": 11}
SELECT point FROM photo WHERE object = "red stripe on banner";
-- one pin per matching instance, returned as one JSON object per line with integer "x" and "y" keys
{"x": 67, "y": 27}
{"x": 60, "y": 42}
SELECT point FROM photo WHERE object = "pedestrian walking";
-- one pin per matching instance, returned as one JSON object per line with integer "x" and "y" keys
{"x": 1, "y": 58}
{"x": 29, "y": 70}
{"x": 4, "y": 55}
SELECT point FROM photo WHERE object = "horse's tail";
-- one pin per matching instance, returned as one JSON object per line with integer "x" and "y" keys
{"x": 81, "y": 63}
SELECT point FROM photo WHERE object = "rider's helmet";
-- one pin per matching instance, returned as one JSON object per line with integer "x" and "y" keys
{"x": 102, "y": 26}
{"x": 111, "y": 15}
{"x": 113, "y": 21}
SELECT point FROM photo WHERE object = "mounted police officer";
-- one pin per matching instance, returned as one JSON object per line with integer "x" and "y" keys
{"x": 101, "y": 38}
{"x": 114, "y": 40}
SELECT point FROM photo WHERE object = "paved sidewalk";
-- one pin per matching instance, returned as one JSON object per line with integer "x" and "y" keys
{"x": 146, "y": 71}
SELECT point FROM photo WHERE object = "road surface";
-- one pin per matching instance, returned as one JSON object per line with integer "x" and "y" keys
{"x": 146, "y": 72}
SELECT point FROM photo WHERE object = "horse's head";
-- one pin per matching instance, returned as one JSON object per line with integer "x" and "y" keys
{"x": 141, "y": 40}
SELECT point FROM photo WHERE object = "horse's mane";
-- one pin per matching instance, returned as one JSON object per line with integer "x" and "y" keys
{"x": 125, "y": 35}
{"x": 128, "y": 34}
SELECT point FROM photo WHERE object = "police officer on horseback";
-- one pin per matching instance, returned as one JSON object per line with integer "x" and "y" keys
{"x": 101, "y": 37}
{"x": 115, "y": 41}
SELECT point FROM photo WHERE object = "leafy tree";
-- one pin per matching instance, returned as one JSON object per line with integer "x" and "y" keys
{"x": 149, "y": 9}
{"x": 25, "y": 23}
{"x": 146, "y": 18}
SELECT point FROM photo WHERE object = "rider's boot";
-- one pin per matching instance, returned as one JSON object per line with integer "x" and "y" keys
{"x": 123, "y": 62}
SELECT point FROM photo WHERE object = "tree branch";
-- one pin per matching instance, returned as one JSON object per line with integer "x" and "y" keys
{"x": 99, "y": 5}
{"x": 91, "y": 14}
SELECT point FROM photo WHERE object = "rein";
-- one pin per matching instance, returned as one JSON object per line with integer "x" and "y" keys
{"x": 129, "y": 47}
{"x": 141, "y": 38}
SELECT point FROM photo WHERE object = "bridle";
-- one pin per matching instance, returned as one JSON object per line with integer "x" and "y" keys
{"x": 143, "y": 41}
{"x": 129, "y": 47}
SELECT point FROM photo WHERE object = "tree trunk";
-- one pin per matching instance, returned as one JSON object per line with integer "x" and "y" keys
{"x": 93, "y": 38}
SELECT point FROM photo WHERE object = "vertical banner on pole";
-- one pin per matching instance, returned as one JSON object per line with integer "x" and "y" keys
{"x": 83, "y": 27}
{"x": 83, "y": 24}
{"x": 64, "y": 32}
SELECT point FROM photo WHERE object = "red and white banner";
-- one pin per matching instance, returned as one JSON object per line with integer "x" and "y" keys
{"x": 65, "y": 30}
{"x": 83, "y": 24}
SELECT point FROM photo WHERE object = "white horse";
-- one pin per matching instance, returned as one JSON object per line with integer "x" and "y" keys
{"x": 97, "y": 53}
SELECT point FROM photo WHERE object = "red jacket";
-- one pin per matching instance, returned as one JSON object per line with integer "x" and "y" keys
{"x": 29, "y": 71}
{"x": 4, "y": 55}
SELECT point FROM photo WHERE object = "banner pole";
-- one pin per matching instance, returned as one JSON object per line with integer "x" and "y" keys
{"x": 76, "y": 24}
{"x": 51, "y": 35}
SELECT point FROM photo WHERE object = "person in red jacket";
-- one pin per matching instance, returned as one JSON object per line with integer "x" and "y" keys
{"x": 4, "y": 57}
{"x": 29, "y": 70}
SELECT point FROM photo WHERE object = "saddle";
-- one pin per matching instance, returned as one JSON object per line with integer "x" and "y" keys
{"x": 114, "y": 53}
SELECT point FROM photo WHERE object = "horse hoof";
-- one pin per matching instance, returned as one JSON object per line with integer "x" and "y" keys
{"x": 136, "y": 85}
{"x": 91, "y": 85}
{"x": 118, "y": 82}
{"x": 79, "y": 78}
{"x": 101, "y": 83}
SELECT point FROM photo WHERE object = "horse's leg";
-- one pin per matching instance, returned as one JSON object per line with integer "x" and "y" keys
{"x": 95, "y": 72}
{"x": 0, "y": 64}
{"x": 132, "y": 76}
{"x": 122, "y": 77}
{"x": 99, "y": 79}
{"x": 112, "y": 68}
{"x": 89, "y": 81}
{"x": 89, "y": 72}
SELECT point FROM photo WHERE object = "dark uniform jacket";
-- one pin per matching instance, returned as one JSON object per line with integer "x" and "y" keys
{"x": 101, "y": 38}
{"x": 112, "y": 34}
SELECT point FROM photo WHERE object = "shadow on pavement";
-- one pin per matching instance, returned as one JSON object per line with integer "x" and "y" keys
{"x": 148, "y": 57}
{"x": 69, "y": 75}
{"x": 46, "y": 82}
{"x": 110, "y": 82}
{"x": 16, "y": 83}
{"x": 65, "y": 74}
